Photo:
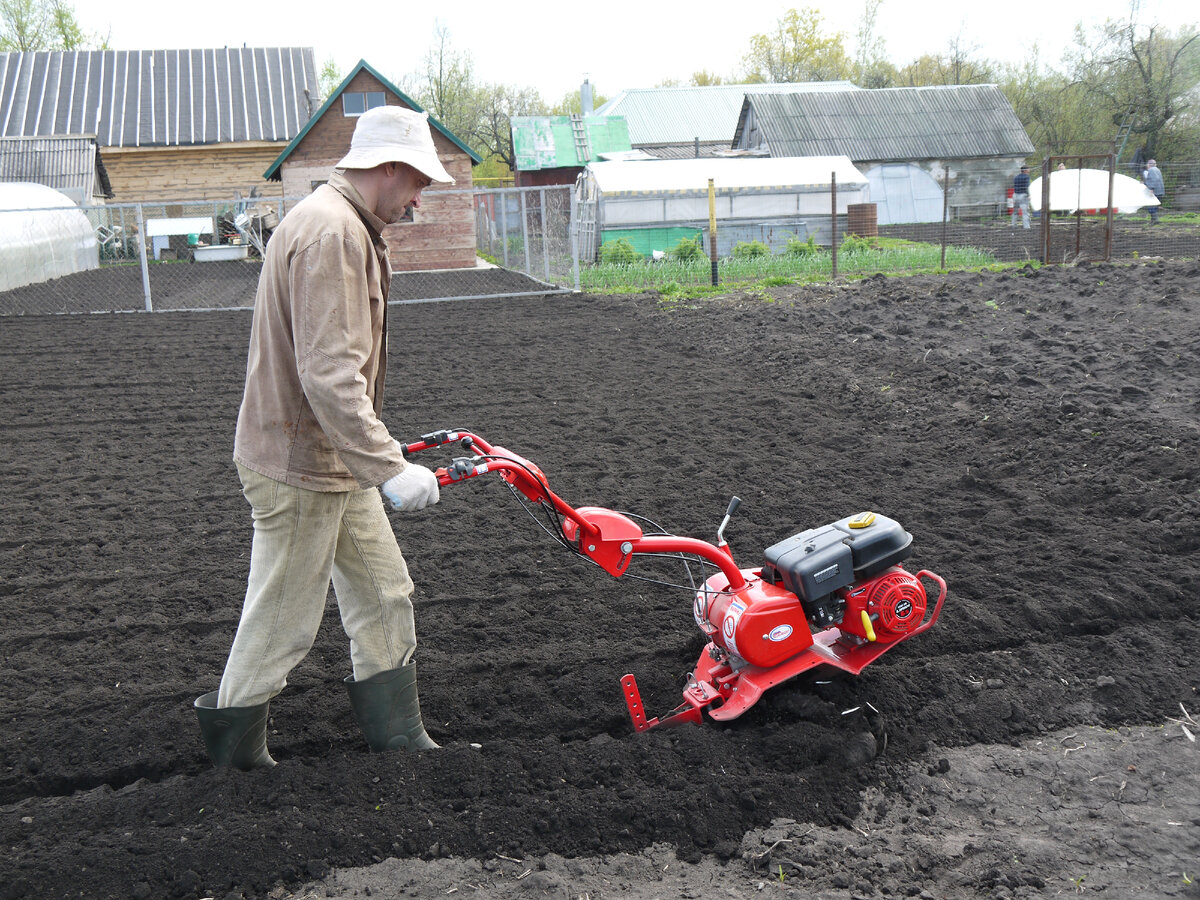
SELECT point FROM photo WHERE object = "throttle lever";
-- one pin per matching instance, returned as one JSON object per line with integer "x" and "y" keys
{"x": 733, "y": 507}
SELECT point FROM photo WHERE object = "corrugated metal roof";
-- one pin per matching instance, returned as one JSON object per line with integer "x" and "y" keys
{"x": 549, "y": 142}
{"x": 951, "y": 122}
{"x": 691, "y": 175}
{"x": 68, "y": 163}
{"x": 147, "y": 98}
{"x": 671, "y": 115}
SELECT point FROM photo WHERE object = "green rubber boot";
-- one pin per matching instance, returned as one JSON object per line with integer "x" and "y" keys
{"x": 236, "y": 736}
{"x": 387, "y": 710}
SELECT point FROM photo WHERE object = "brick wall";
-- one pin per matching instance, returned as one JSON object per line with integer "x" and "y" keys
{"x": 442, "y": 234}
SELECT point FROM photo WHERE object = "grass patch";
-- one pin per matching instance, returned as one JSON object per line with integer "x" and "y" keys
{"x": 693, "y": 276}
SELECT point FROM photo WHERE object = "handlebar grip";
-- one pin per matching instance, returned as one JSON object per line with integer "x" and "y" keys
{"x": 733, "y": 506}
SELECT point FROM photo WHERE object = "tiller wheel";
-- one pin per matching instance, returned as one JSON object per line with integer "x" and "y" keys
{"x": 836, "y": 595}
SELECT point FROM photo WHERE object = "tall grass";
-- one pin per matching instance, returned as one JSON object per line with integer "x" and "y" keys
{"x": 899, "y": 256}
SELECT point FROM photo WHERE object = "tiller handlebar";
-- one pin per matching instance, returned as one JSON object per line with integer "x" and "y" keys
{"x": 835, "y": 595}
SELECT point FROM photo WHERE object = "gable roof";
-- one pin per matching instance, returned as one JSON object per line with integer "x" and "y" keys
{"x": 947, "y": 122}
{"x": 274, "y": 173}
{"x": 552, "y": 142}
{"x": 672, "y": 115}
{"x": 159, "y": 98}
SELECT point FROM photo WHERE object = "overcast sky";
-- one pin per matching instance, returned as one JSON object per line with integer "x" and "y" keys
{"x": 616, "y": 44}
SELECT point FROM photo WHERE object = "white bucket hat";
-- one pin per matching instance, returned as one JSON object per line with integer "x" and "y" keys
{"x": 394, "y": 134}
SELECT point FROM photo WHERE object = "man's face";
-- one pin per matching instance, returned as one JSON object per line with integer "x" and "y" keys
{"x": 402, "y": 186}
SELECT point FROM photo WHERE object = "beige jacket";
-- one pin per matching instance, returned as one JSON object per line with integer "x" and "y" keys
{"x": 310, "y": 415}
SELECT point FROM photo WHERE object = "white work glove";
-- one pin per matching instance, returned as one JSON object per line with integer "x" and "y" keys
{"x": 414, "y": 488}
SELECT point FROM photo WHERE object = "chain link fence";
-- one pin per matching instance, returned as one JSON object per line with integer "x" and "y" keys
{"x": 205, "y": 255}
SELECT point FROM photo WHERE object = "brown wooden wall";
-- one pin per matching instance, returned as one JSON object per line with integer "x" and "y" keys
{"x": 442, "y": 235}
{"x": 215, "y": 172}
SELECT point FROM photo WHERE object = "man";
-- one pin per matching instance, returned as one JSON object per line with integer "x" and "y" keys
{"x": 1153, "y": 179}
{"x": 1021, "y": 197}
{"x": 310, "y": 449}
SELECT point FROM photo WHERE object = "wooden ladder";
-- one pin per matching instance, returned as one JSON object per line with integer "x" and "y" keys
{"x": 583, "y": 150}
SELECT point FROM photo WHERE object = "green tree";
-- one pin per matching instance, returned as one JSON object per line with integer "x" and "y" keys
{"x": 500, "y": 102}
{"x": 957, "y": 65}
{"x": 571, "y": 104}
{"x": 30, "y": 25}
{"x": 871, "y": 68}
{"x": 1056, "y": 113}
{"x": 446, "y": 87}
{"x": 329, "y": 77}
{"x": 797, "y": 50}
{"x": 1146, "y": 74}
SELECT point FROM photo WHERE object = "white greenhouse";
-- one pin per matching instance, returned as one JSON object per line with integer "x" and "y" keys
{"x": 653, "y": 204}
{"x": 43, "y": 235}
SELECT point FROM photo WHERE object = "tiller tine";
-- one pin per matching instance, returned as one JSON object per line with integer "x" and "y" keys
{"x": 713, "y": 681}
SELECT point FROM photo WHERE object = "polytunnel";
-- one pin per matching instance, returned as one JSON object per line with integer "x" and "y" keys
{"x": 43, "y": 235}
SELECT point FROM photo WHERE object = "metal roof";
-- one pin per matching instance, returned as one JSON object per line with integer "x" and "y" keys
{"x": 552, "y": 142}
{"x": 70, "y": 164}
{"x": 149, "y": 98}
{"x": 672, "y": 115}
{"x": 948, "y": 122}
{"x": 673, "y": 176}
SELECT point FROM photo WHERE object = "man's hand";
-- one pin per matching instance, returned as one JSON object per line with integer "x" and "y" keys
{"x": 414, "y": 488}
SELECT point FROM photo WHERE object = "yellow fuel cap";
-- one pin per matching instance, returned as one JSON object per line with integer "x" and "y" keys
{"x": 862, "y": 520}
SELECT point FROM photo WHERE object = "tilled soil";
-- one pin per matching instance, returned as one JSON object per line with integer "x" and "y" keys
{"x": 1035, "y": 430}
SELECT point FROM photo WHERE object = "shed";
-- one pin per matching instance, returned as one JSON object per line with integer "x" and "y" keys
{"x": 172, "y": 124}
{"x": 555, "y": 149}
{"x": 43, "y": 235}
{"x": 906, "y": 140}
{"x": 70, "y": 164}
{"x": 439, "y": 235}
{"x": 690, "y": 122}
{"x": 655, "y": 204}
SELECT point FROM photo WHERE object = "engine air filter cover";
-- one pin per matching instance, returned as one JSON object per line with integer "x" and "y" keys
{"x": 816, "y": 562}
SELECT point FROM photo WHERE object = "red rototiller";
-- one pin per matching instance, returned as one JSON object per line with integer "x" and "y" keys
{"x": 836, "y": 595}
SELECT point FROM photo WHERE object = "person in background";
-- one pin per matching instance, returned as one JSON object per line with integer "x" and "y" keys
{"x": 311, "y": 449}
{"x": 1153, "y": 179}
{"x": 1021, "y": 196}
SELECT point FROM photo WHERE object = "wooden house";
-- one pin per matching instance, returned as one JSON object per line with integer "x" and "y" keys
{"x": 905, "y": 140}
{"x": 441, "y": 234}
{"x": 172, "y": 124}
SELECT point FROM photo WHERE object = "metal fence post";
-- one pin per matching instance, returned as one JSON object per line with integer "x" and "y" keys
{"x": 545, "y": 234}
{"x": 945, "y": 209}
{"x": 833, "y": 220}
{"x": 712, "y": 230}
{"x": 574, "y": 229}
{"x": 525, "y": 231}
{"x": 141, "y": 227}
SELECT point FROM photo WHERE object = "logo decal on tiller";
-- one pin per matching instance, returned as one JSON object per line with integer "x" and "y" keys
{"x": 903, "y": 609}
{"x": 780, "y": 633}
{"x": 729, "y": 626}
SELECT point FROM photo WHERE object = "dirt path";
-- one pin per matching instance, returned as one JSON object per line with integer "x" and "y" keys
{"x": 1095, "y": 812}
{"x": 1034, "y": 430}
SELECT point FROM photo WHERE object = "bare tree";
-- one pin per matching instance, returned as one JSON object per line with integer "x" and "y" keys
{"x": 1146, "y": 76}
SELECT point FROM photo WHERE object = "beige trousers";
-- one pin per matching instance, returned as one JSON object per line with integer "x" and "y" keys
{"x": 302, "y": 539}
